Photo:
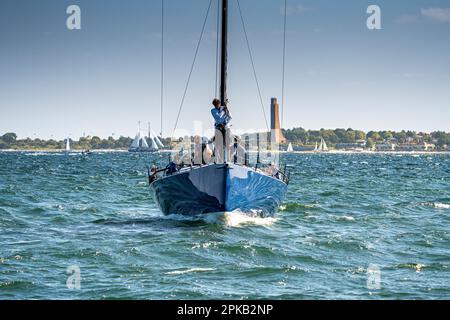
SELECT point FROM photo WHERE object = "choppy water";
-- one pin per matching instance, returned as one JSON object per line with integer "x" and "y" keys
{"x": 343, "y": 214}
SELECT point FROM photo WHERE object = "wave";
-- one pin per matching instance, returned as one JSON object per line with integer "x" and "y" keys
{"x": 345, "y": 218}
{"x": 230, "y": 219}
{"x": 298, "y": 207}
{"x": 239, "y": 219}
{"x": 437, "y": 205}
{"x": 441, "y": 205}
{"x": 415, "y": 266}
{"x": 184, "y": 271}
{"x": 36, "y": 154}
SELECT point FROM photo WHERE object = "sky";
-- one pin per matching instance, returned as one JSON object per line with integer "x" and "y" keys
{"x": 103, "y": 79}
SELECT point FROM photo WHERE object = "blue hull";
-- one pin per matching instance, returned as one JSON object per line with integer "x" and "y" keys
{"x": 218, "y": 188}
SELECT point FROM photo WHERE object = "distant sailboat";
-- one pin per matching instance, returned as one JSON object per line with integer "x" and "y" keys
{"x": 322, "y": 146}
{"x": 153, "y": 141}
{"x": 67, "y": 145}
{"x": 290, "y": 148}
{"x": 145, "y": 144}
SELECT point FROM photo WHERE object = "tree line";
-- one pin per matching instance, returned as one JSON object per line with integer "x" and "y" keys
{"x": 302, "y": 137}
{"x": 297, "y": 136}
{"x": 10, "y": 141}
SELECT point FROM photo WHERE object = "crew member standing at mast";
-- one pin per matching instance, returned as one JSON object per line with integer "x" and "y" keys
{"x": 222, "y": 119}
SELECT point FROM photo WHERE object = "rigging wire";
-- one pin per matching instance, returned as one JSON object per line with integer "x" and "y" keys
{"x": 284, "y": 64}
{"x": 162, "y": 65}
{"x": 253, "y": 65}
{"x": 192, "y": 68}
{"x": 217, "y": 47}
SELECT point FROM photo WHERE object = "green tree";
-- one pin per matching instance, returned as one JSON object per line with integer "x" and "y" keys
{"x": 124, "y": 142}
{"x": 400, "y": 136}
{"x": 375, "y": 136}
{"x": 350, "y": 136}
{"x": 442, "y": 138}
{"x": 386, "y": 135}
{"x": 3, "y": 144}
{"x": 95, "y": 142}
{"x": 360, "y": 135}
{"x": 9, "y": 138}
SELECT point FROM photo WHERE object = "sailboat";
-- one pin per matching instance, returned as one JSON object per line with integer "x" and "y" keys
{"x": 153, "y": 141}
{"x": 218, "y": 187}
{"x": 290, "y": 148}
{"x": 67, "y": 145}
{"x": 322, "y": 146}
{"x": 141, "y": 143}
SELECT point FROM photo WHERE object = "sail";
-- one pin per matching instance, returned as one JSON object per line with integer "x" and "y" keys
{"x": 67, "y": 144}
{"x": 320, "y": 145}
{"x": 157, "y": 140}
{"x": 290, "y": 148}
{"x": 135, "y": 143}
{"x": 143, "y": 143}
{"x": 154, "y": 144}
{"x": 315, "y": 148}
{"x": 324, "y": 145}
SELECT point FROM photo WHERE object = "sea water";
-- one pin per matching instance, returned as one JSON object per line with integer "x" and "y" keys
{"x": 86, "y": 227}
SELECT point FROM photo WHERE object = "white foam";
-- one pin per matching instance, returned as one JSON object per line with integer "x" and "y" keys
{"x": 436, "y": 205}
{"x": 178, "y": 272}
{"x": 441, "y": 205}
{"x": 238, "y": 219}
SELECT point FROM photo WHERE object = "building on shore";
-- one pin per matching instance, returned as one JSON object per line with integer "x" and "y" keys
{"x": 358, "y": 145}
{"x": 405, "y": 147}
{"x": 277, "y": 135}
{"x": 421, "y": 146}
{"x": 385, "y": 146}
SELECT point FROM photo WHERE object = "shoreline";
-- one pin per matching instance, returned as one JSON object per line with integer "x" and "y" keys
{"x": 61, "y": 150}
{"x": 368, "y": 152}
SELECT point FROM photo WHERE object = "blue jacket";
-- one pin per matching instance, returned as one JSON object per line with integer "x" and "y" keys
{"x": 220, "y": 116}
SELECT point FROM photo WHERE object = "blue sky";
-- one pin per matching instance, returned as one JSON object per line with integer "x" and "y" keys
{"x": 104, "y": 78}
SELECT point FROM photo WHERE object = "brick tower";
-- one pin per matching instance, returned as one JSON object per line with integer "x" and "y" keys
{"x": 275, "y": 122}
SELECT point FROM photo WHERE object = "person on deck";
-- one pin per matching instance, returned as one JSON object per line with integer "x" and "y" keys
{"x": 222, "y": 119}
{"x": 238, "y": 151}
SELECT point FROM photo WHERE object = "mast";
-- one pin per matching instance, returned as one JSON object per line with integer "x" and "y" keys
{"x": 223, "y": 54}
{"x": 149, "y": 134}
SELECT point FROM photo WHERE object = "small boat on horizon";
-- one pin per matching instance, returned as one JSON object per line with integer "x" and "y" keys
{"x": 67, "y": 145}
{"x": 142, "y": 143}
{"x": 322, "y": 146}
{"x": 290, "y": 148}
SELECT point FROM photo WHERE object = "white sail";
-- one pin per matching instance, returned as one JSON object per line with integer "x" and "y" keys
{"x": 315, "y": 149}
{"x": 157, "y": 140}
{"x": 154, "y": 144}
{"x": 136, "y": 140}
{"x": 159, "y": 143}
{"x": 324, "y": 145}
{"x": 320, "y": 145}
{"x": 143, "y": 143}
{"x": 67, "y": 144}
{"x": 290, "y": 148}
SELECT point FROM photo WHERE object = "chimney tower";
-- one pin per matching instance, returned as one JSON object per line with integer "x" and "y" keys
{"x": 275, "y": 122}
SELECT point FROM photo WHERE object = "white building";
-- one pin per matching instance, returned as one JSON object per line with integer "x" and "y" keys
{"x": 385, "y": 146}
